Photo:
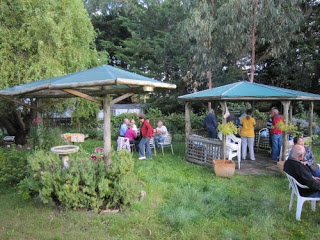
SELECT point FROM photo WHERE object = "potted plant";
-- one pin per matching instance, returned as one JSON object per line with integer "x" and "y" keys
{"x": 225, "y": 168}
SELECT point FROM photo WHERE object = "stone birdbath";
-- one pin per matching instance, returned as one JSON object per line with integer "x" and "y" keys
{"x": 64, "y": 151}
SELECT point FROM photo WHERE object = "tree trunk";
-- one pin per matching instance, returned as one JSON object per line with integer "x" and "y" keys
{"x": 253, "y": 41}
{"x": 209, "y": 77}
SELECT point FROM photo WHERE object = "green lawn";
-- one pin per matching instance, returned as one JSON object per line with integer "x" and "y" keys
{"x": 184, "y": 201}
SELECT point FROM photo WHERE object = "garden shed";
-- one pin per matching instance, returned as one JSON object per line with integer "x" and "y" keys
{"x": 198, "y": 149}
{"x": 110, "y": 84}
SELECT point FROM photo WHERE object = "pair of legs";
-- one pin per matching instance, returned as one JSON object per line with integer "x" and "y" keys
{"x": 212, "y": 132}
{"x": 247, "y": 142}
{"x": 144, "y": 143}
{"x": 157, "y": 140}
{"x": 276, "y": 146}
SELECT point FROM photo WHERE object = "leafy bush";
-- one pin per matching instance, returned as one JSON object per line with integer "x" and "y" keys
{"x": 94, "y": 133}
{"x": 46, "y": 138}
{"x": 85, "y": 184}
{"x": 12, "y": 165}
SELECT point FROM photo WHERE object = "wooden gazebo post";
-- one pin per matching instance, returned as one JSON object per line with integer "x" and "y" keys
{"x": 187, "y": 122}
{"x": 286, "y": 105}
{"x": 107, "y": 130}
{"x": 311, "y": 105}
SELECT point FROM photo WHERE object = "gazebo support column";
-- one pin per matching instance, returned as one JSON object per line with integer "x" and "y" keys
{"x": 107, "y": 130}
{"x": 290, "y": 111}
{"x": 311, "y": 105}
{"x": 223, "y": 105}
{"x": 40, "y": 125}
{"x": 188, "y": 121}
{"x": 286, "y": 105}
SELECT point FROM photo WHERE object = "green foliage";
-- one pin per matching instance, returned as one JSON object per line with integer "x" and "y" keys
{"x": 227, "y": 128}
{"x": 12, "y": 165}
{"x": 45, "y": 138}
{"x": 85, "y": 184}
{"x": 31, "y": 53}
{"x": 85, "y": 111}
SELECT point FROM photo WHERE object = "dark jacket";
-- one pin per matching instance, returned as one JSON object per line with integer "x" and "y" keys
{"x": 210, "y": 121}
{"x": 146, "y": 129}
{"x": 303, "y": 175}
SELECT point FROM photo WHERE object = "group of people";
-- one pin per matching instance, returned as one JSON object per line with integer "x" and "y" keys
{"x": 246, "y": 124}
{"x": 129, "y": 130}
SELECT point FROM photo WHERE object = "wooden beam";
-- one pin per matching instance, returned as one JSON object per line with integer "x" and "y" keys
{"x": 311, "y": 106}
{"x": 286, "y": 105}
{"x": 18, "y": 102}
{"x": 118, "y": 99}
{"x": 107, "y": 130}
{"x": 82, "y": 95}
{"x": 187, "y": 123}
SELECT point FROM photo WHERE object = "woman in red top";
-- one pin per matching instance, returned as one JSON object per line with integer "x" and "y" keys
{"x": 146, "y": 133}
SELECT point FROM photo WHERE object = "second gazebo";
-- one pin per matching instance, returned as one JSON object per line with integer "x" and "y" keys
{"x": 246, "y": 91}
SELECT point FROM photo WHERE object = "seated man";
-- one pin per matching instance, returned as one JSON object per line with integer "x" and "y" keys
{"x": 160, "y": 133}
{"x": 309, "y": 157}
{"x": 124, "y": 127}
{"x": 295, "y": 167}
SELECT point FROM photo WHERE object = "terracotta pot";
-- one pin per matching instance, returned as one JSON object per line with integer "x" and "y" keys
{"x": 224, "y": 168}
{"x": 280, "y": 165}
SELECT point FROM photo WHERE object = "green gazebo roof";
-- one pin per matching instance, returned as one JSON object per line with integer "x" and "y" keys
{"x": 248, "y": 91}
{"x": 94, "y": 81}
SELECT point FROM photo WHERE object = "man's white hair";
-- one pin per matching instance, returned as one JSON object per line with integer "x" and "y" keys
{"x": 211, "y": 111}
{"x": 160, "y": 122}
{"x": 297, "y": 151}
{"x": 276, "y": 111}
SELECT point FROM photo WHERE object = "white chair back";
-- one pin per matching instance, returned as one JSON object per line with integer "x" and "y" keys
{"x": 123, "y": 143}
{"x": 167, "y": 140}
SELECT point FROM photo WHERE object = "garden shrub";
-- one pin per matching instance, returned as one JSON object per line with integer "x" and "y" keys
{"x": 12, "y": 165}
{"x": 85, "y": 184}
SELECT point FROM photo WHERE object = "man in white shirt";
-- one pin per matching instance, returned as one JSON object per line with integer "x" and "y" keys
{"x": 160, "y": 133}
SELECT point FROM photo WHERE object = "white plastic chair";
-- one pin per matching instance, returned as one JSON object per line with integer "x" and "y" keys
{"x": 152, "y": 145}
{"x": 123, "y": 143}
{"x": 167, "y": 142}
{"x": 294, "y": 184}
{"x": 262, "y": 137}
{"x": 234, "y": 148}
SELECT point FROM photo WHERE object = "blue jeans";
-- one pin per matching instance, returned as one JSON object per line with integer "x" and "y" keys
{"x": 315, "y": 194}
{"x": 276, "y": 146}
{"x": 315, "y": 173}
{"x": 157, "y": 140}
{"x": 212, "y": 132}
{"x": 144, "y": 142}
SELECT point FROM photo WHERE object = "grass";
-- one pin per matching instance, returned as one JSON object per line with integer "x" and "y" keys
{"x": 184, "y": 201}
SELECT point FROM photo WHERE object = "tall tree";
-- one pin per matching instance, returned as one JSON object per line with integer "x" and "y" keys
{"x": 41, "y": 39}
{"x": 228, "y": 32}
{"x": 299, "y": 67}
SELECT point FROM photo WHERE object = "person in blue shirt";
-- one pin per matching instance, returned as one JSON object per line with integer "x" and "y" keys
{"x": 124, "y": 127}
{"x": 210, "y": 123}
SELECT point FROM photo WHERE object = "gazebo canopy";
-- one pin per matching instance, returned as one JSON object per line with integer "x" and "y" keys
{"x": 94, "y": 82}
{"x": 102, "y": 81}
{"x": 248, "y": 91}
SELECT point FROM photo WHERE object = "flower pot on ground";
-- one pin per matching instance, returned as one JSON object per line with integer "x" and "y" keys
{"x": 225, "y": 168}
{"x": 280, "y": 165}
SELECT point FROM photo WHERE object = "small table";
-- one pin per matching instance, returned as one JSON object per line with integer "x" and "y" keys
{"x": 64, "y": 151}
